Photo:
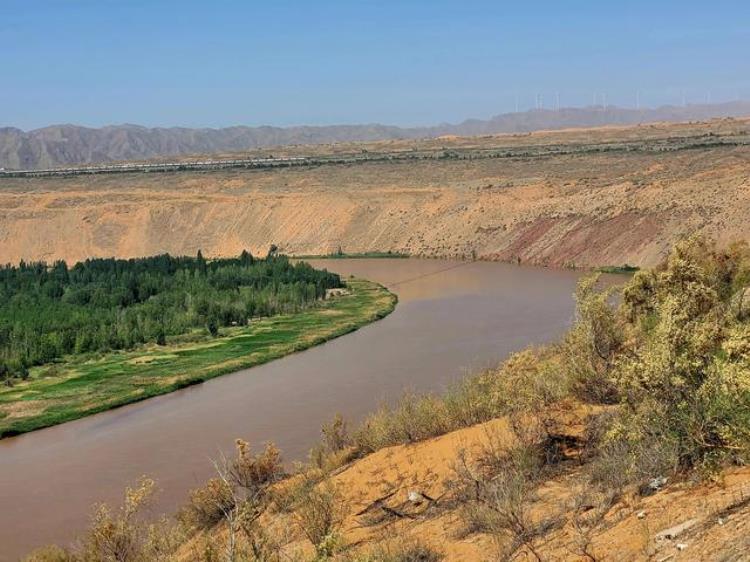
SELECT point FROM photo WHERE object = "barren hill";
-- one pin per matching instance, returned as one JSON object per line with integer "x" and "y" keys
{"x": 69, "y": 144}
{"x": 583, "y": 197}
{"x": 404, "y": 496}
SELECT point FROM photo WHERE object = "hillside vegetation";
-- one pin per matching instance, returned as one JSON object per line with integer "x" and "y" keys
{"x": 583, "y": 198}
{"x": 627, "y": 440}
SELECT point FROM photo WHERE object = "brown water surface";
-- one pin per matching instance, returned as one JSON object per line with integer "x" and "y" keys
{"x": 452, "y": 317}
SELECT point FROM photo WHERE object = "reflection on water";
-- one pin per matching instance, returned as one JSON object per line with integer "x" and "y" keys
{"x": 452, "y": 317}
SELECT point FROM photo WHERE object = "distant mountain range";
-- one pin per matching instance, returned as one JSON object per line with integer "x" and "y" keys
{"x": 59, "y": 145}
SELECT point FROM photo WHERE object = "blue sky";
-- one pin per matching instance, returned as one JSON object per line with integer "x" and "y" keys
{"x": 189, "y": 63}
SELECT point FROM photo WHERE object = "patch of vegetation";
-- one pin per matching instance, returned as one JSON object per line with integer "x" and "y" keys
{"x": 618, "y": 269}
{"x": 400, "y": 550}
{"x": 83, "y": 385}
{"x": 341, "y": 255}
{"x": 99, "y": 305}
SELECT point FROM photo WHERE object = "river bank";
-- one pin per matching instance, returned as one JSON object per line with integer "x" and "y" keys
{"x": 77, "y": 387}
{"x": 452, "y": 318}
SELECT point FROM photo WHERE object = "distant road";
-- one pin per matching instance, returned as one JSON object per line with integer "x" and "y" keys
{"x": 529, "y": 151}
{"x": 157, "y": 167}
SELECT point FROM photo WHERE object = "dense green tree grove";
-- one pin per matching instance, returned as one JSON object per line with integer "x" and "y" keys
{"x": 47, "y": 311}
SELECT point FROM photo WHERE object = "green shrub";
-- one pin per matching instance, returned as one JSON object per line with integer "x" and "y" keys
{"x": 686, "y": 369}
{"x": 590, "y": 347}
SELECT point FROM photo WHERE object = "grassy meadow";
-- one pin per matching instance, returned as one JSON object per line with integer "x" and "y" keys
{"x": 79, "y": 386}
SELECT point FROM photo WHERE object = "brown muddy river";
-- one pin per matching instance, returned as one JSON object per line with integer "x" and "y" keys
{"x": 452, "y": 317}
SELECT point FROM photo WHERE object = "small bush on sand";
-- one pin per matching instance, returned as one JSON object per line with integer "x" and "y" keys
{"x": 335, "y": 448}
{"x": 336, "y": 434}
{"x": 497, "y": 489}
{"x": 401, "y": 550}
{"x": 119, "y": 535}
{"x": 320, "y": 515}
{"x": 207, "y": 505}
{"x": 237, "y": 497}
{"x": 588, "y": 516}
{"x": 412, "y": 419}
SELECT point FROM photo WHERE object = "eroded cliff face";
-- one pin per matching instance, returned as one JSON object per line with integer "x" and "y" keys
{"x": 585, "y": 209}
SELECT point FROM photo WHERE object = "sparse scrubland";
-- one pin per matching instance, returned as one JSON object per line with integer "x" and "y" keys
{"x": 628, "y": 439}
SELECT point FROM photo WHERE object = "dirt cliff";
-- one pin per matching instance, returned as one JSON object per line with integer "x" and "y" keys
{"x": 585, "y": 207}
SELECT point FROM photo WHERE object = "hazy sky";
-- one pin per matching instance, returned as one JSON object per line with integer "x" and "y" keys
{"x": 191, "y": 63}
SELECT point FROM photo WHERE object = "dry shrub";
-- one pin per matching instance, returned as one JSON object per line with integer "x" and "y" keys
{"x": 327, "y": 462}
{"x": 208, "y": 504}
{"x": 630, "y": 454}
{"x": 50, "y": 554}
{"x": 320, "y": 514}
{"x": 114, "y": 536}
{"x": 335, "y": 448}
{"x": 237, "y": 497}
{"x": 265, "y": 545}
{"x": 121, "y": 535}
{"x": 589, "y": 509}
{"x": 412, "y": 419}
{"x": 472, "y": 400}
{"x": 497, "y": 489}
{"x": 254, "y": 473}
{"x": 336, "y": 434}
{"x": 529, "y": 380}
{"x": 288, "y": 495}
{"x": 249, "y": 478}
{"x": 401, "y": 550}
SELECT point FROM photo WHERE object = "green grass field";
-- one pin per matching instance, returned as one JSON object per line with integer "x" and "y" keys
{"x": 79, "y": 386}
